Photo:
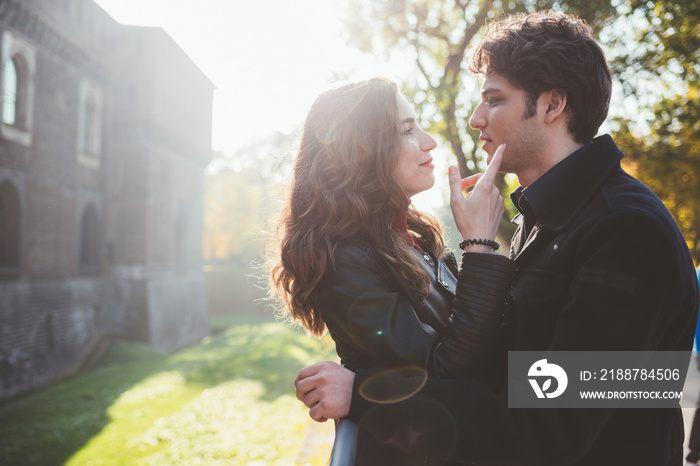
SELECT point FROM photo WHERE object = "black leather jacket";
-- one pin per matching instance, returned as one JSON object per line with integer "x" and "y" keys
{"x": 376, "y": 320}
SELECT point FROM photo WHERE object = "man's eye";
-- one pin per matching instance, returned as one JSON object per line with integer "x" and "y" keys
{"x": 492, "y": 100}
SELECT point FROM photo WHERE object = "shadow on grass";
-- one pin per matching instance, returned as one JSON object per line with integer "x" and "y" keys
{"x": 47, "y": 426}
{"x": 269, "y": 353}
{"x": 50, "y": 426}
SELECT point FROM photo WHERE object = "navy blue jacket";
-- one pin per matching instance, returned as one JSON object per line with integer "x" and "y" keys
{"x": 605, "y": 268}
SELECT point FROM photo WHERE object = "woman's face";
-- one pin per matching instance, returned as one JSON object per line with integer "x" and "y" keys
{"x": 414, "y": 171}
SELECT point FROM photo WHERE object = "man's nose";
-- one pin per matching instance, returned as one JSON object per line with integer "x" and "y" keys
{"x": 477, "y": 120}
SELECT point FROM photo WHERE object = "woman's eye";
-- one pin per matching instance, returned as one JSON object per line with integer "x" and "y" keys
{"x": 408, "y": 132}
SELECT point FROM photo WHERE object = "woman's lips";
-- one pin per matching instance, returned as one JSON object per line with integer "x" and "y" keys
{"x": 428, "y": 164}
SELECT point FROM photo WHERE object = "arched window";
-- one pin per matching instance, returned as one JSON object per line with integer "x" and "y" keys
{"x": 89, "y": 239}
{"x": 18, "y": 71}
{"x": 12, "y": 97}
{"x": 9, "y": 226}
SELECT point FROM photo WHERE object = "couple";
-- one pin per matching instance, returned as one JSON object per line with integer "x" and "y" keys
{"x": 597, "y": 264}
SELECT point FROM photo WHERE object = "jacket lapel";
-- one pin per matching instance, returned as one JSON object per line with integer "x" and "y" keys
{"x": 518, "y": 240}
{"x": 527, "y": 243}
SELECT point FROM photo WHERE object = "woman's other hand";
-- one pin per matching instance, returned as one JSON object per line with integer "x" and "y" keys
{"x": 478, "y": 214}
{"x": 326, "y": 389}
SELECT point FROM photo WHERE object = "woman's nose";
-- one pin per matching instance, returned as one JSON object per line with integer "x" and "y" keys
{"x": 429, "y": 143}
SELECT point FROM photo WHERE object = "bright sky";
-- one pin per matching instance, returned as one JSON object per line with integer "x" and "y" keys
{"x": 268, "y": 58}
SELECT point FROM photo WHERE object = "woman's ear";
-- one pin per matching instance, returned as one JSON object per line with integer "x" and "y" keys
{"x": 555, "y": 102}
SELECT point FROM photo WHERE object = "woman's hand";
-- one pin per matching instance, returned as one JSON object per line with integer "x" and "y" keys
{"x": 478, "y": 214}
{"x": 326, "y": 389}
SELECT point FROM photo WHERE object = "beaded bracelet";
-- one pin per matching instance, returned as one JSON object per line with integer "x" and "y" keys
{"x": 485, "y": 242}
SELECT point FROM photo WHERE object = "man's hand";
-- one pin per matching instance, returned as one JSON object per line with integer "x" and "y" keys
{"x": 326, "y": 389}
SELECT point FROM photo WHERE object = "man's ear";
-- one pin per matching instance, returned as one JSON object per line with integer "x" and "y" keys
{"x": 554, "y": 102}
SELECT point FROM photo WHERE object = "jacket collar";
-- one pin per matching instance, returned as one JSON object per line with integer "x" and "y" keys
{"x": 570, "y": 192}
{"x": 574, "y": 188}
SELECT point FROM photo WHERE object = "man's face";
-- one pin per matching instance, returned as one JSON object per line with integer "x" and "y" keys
{"x": 501, "y": 119}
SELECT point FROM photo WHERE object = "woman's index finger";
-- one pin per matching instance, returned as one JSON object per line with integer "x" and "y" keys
{"x": 492, "y": 169}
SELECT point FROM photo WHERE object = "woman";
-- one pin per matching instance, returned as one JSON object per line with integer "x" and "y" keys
{"x": 357, "y": 258}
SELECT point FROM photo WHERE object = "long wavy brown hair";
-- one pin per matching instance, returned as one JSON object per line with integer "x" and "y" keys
{"x": 343, "y": 188}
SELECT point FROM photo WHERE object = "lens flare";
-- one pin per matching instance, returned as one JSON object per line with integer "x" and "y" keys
{"x": 393, "y": 385}
{"x": 328, "y": 137}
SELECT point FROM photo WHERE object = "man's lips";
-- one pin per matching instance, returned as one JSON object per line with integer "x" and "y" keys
{"x": 428, "y": 164}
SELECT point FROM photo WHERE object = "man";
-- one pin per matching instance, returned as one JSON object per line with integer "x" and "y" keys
{"x": 601, "y": 266}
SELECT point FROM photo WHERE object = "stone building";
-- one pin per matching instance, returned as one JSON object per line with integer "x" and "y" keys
{"x": 105, "y": 134}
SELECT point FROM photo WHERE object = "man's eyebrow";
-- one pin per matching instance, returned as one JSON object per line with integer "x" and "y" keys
{"x": 490, "y": 90}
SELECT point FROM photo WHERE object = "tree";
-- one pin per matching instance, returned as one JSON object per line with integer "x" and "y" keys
{"x": 241, "y": 194}
{"x": 664, "y": 152}
{"x": 666, "y": 38}
{"x": 438, "y": 33}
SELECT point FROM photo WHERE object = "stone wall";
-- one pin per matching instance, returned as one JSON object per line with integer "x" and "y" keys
{"x": 118, "y": 127}
{"x": 49, "y": 325}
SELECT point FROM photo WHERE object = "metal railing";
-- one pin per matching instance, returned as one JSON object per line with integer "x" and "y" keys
{"x": 343, "y": 453}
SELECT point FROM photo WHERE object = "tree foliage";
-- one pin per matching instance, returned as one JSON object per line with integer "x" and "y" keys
{"x": 438, "y": 34}
{"x": 242, "y": 191}
{"x": 666, "y": 39}
{"x": 666, "y": 156}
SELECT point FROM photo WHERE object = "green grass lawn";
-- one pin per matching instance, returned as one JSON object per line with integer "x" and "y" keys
{"x": 228, "y": 400}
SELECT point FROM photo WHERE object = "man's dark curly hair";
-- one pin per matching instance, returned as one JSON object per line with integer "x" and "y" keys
{"x": 547, "y": 51}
